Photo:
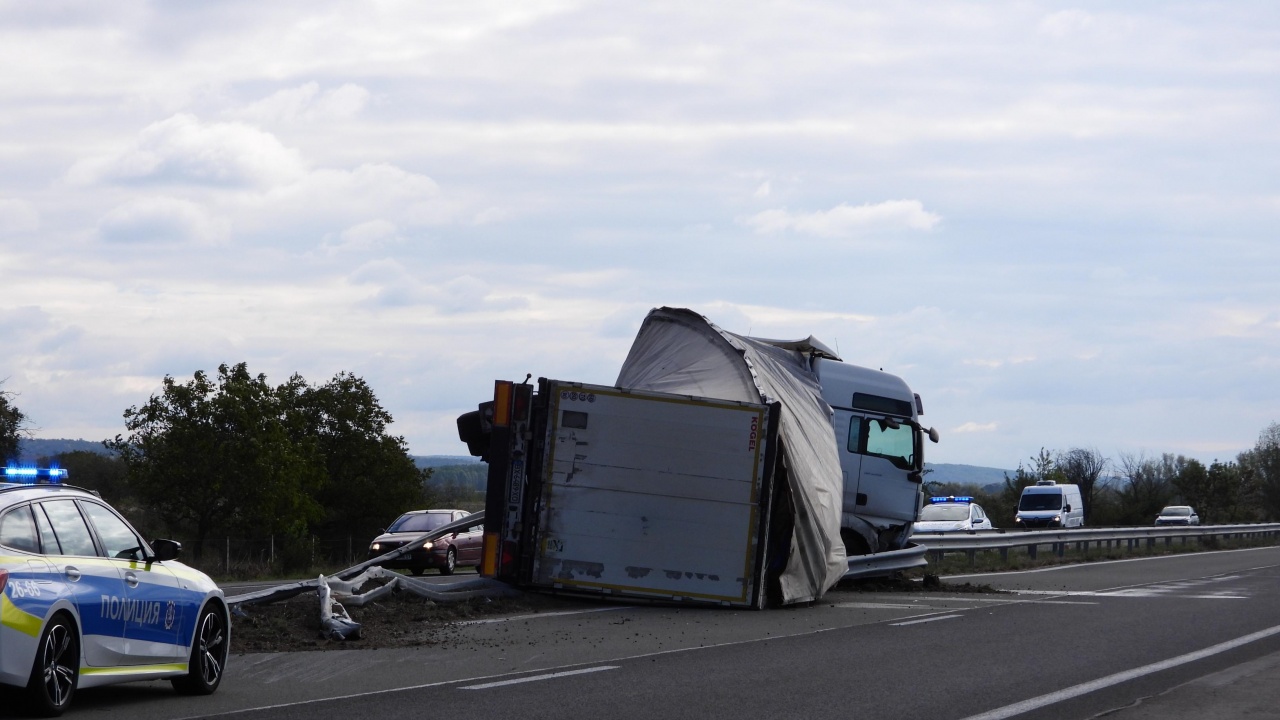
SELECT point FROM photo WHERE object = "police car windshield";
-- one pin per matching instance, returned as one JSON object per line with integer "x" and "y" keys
{"x": 935, "y": 513}
{"x": 1040, "y": 501}
{"x": 421, "y": 522}
{"x": 1176, "y": 511}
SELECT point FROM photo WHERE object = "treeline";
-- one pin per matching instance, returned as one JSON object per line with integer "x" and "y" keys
{"x": 235, "y": 456}
{"x": 1132, "y": 489}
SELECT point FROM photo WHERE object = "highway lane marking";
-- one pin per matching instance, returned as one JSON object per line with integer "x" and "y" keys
{"x": 559, "y": 613}
{"x": 924, "y": 620}
{"x": 1074, "y": 691}
{"x": 888, "y": 606}
{"x": 536, "y": 678}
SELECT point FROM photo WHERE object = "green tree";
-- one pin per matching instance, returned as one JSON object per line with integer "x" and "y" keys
{"x": 369, "y": 476}
{"x": 209, "y": 457}
{"x": 13, "y": 427}
{"x": 1262, "y": 466}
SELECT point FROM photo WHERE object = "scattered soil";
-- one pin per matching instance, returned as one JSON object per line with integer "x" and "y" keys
{"x": 401, "y": 619}
{"x": 407, "y": 620}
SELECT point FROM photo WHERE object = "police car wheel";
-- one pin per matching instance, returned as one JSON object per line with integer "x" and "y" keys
{"x": 56, "y": 668}
{"x": 450, "y": 562}
{"x": 208, "y": 655}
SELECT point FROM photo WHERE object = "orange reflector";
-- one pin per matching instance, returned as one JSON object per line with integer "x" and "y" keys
{"x": 489, "y": 560}
{"x": 502, "y": 403}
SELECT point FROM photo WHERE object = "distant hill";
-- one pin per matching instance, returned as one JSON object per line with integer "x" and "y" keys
{"x": 982, "y": 477}
{"x": 435, "y": 461}
{"x": 33, "y": 449}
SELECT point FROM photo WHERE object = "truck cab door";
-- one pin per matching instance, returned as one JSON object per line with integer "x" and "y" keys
{"x": 848, "y": 429}
{"x": 888, "y": 457}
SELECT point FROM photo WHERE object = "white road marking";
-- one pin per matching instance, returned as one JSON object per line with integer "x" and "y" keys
{"x": 1018, "y": 708}
{"x": 924, "y": 620}
{"x": 535, "y": 678}
{"x": 540, "y": 615}
{"x": 886, "y": 606}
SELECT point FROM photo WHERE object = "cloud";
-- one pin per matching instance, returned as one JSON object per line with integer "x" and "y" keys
{"x": 182, "y": 149}
{"x": 1067, "y": 22}
{"x": 306, "y": 103}
{"x": 973, "y": 427}
{"x": 18, "y": 216}
{"x": 161, "y": 220}
{"x": 396, "y": 286}
{"x": 844, "y": 220}
{"x": 365, "y": 236}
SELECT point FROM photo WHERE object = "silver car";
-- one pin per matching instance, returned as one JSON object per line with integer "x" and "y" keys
{"x": 1178, "y": 515}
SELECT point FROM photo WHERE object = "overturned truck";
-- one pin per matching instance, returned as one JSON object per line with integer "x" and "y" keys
{"x": 718, "y": 468}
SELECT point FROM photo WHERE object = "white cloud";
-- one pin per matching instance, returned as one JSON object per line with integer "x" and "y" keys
{"x": 18, "y": 216}
{"x": 366, "y": 236}
{"x": 182, "y": 149}
{"x": 973, "y": 427}
{"x": 1067, "y": 22}
{"x": 307, "y": 103}
{"x": 845, "y": 221}
{"x": 763, "y": 190}
{"x": 161, "y": 220}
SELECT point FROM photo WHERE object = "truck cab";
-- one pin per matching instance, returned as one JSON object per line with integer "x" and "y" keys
{"x": 881, "y": 446}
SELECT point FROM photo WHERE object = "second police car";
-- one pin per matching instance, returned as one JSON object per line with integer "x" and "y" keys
{"x": 85, "y": 601}
{"x": 952, "y": 513}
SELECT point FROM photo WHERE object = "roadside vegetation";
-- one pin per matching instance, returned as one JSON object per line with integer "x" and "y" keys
{"x": 1131, "y": 489}
{"x": 260, "y": 480}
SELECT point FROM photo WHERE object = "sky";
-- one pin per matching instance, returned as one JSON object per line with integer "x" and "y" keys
{"x": 1055, "y": 221}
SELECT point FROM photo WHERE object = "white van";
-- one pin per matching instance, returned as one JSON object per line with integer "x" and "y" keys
{"x": 1050, "y": 505}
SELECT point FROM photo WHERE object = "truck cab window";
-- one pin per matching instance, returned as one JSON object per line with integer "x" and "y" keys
{"x": 894, "y": 444}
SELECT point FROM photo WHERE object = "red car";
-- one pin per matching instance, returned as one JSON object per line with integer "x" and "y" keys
{"x": 445, "y": 553}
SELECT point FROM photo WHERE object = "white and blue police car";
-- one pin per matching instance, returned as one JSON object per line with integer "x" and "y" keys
{"x": 952, "y": 513}
{"x": 85, "y": 601}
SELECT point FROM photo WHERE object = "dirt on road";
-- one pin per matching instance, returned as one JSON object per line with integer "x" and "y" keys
{"x": 407, "y": 620}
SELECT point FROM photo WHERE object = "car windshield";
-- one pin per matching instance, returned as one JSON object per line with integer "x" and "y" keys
{"x": 1176, "y": 511}
{"x": 936, "y": 513}
{"x": 419, "y": 522}
{"x": 1041, "y": 501}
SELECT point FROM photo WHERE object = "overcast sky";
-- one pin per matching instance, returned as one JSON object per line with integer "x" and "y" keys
{"x": 1056, "y": 221}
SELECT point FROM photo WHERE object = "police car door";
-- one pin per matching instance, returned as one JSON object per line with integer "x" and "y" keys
{"x": 153, "y": 607}
{"x": 93, "y": 582}
{"x": 31, "y": 588}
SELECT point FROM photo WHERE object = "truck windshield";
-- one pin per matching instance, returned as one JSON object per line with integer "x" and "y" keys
{"x": 1040, "y": 501}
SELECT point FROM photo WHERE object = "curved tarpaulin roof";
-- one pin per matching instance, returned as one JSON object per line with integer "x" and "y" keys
{"x": 680, "y": 351}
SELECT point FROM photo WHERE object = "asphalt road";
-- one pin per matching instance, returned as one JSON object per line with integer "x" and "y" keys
{"x": 1072, "y": 642}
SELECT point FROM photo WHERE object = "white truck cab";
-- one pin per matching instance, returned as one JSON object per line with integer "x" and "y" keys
{"x": 881, "y": 446}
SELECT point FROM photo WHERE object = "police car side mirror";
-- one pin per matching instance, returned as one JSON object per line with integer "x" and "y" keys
{"x": 166, "y": 549}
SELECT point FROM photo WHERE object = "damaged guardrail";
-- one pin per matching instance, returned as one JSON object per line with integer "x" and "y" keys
{"x": 886, "y": 563}
{"x": 937, "y": 544}
{"x": 336, "y": 623}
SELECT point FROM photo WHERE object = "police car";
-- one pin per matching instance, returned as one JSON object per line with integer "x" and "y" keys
{"x": 85, "y": 601}
{"x": 950, "y": 514}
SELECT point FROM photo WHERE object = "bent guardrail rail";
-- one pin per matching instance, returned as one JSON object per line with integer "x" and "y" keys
{"x": 885, "y": 563}
{"x": 937, "y": 544}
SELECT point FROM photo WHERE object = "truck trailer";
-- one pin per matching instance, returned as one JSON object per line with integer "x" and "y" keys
{"x": 718, "y": 468}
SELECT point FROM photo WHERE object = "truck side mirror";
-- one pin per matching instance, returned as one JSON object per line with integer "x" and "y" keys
{"x": 933, "y": 435}
{"x": 1066, "y": 508}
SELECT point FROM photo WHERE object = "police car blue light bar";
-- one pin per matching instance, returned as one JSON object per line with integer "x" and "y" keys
{"x": 952, "y": 498}
{"x": 34, "y": 475}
